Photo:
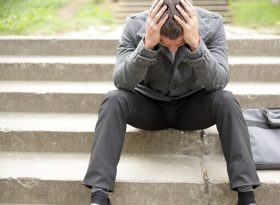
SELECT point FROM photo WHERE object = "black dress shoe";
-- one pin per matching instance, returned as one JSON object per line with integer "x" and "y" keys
{"x": 108, "y": 202}
{"x": 246, "y": 204}
{"x": 100, "y": 198}
{"x": 246, "y": 198}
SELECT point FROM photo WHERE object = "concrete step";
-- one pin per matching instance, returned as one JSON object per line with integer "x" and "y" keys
{"x": 213, "y": 2}
{"x": 66, "y": 97}
{"x": 73, "y": 133}
{"x": 120, "y": 18}
{"x": 127, "y": 8}
{"x": 254, "y": 69}
{"x": 57, "y": 132}
{"x": 123, "y": 13}
{"x": 57, "y": 68}
{"x": 211, "y": 142}
{"x": 44, "y": 178}
{"x": 100, "y": 68}
{"x": 149, "y": 3}
{"x": 85, "y": 97}
{"x": 58, "y": 45}
{"x": 194, "y": 1}
{"x": 71, "y": 46}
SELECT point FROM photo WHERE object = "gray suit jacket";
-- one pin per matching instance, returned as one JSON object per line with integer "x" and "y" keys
{"x": 153, "y": 73}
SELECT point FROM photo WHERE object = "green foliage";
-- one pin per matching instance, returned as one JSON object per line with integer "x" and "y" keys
{"x": 21, "y": 17}
{"x": 94, "y": 10}
{"x": 256, "y": 13}
{"x": 17, "y": 16}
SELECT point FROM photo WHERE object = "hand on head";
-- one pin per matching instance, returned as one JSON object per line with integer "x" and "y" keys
{"x": 155, "y": 21}
{"x": 158, "y": 16}
{"x": 188, "y": 23}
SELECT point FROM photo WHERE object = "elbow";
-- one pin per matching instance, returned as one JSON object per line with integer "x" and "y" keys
{"x": 123, "y": 84}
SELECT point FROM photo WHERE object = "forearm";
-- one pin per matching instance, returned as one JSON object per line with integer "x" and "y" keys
{"x": 210, "y": 67}
{"x": 131, "y": 67}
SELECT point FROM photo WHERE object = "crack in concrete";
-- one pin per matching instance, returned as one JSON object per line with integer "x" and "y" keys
{"x": 28, "y": 183}
{"x": 204, "y": 167}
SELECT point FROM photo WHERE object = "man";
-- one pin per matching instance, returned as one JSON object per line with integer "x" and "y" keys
{"x": 171, "y": 69}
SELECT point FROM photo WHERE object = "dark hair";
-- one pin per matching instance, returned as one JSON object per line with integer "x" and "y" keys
{"x": 171, "y": 28}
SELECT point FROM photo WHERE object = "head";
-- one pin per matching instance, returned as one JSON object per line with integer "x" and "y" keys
{"x": 171, "y": 32}
{"x": 171, "y": 28}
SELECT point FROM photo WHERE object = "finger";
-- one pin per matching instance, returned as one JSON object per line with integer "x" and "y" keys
{"x": 184, "y": 14}
{"x": 180, "y": 21}
{"x": 160, "y": 14}
{"x": 154, "y": 4}
{"x": 163, "y": 20}
{"x": 191, "y": 6}
{"x": 187, "y": 7}
{"x": 156, "y": 9}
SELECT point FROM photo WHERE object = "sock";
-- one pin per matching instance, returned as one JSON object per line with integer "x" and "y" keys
{"x": 94, "y": 189}
{"x": 245, "y": 198}
{"x": 99, "y": 196}
{"x": 245, "y": 188}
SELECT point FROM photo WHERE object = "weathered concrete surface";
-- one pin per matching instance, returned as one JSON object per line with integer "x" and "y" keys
{"x": 239, "y": 46}
{"x": 56, "y": 179}
{"x": 160, "y": 142}
{"x": 178, "y": 168}
{"x": 65, "y": 103}
{"x": 74, "y": 68}
{"x": 89, "y": 103}
{"x": 211, "y": 142}
{"x": 254, "y": 69}
{"x": 126, "y": 193}
{"x": 100, "y": 68}
{"x": 38, "y": 178}
{"x": 254, "y": 46}
{"x": 86, "y": 97}
{"x": 57, "y": 46}
{"x": 73, "y": 133}
{"x": 267, "y": 193}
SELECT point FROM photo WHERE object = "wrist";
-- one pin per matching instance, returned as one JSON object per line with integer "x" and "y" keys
{"x": 148, "y": 45}
{"x": 194, "y": 46}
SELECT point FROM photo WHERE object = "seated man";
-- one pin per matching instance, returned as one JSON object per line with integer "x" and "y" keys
{"x": 170, "y": 72}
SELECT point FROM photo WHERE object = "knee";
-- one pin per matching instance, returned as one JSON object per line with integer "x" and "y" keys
{"x": 115, "y": 99}
{"x": 225, "y": 99}
{"x": 226, "y": 96}
{"x": 115, "y": 96}
{"x": 112, "y": 95}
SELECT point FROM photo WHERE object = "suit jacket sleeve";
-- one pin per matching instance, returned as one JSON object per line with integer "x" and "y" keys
{"x": 133, "y": 59}
{"x": 210, "y": 60}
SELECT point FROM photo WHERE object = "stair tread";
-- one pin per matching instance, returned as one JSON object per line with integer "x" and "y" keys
{"x": 254, "y": 60}
{"x": 132, "y": 168}
{"x": 42, "y": 87}
{"x": 59, "y": 59}
{"x": 49, "y": 122}
{"x": 49, "y": 132}
{"x": 140, "y": 8}
{"x": 112, "y": 59}
{"x": 117, "y": 32}
{"x": 254, "y": 88}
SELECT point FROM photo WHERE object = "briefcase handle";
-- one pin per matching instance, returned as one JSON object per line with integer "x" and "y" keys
{"x": 273, "y": 116}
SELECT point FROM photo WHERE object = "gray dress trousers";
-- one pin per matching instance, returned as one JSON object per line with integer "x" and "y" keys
{"x": 197, "y": 111}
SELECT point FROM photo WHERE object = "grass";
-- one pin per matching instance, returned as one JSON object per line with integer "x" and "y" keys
{"x": 256, "y": 14}
{"x": 37, "y": 17}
